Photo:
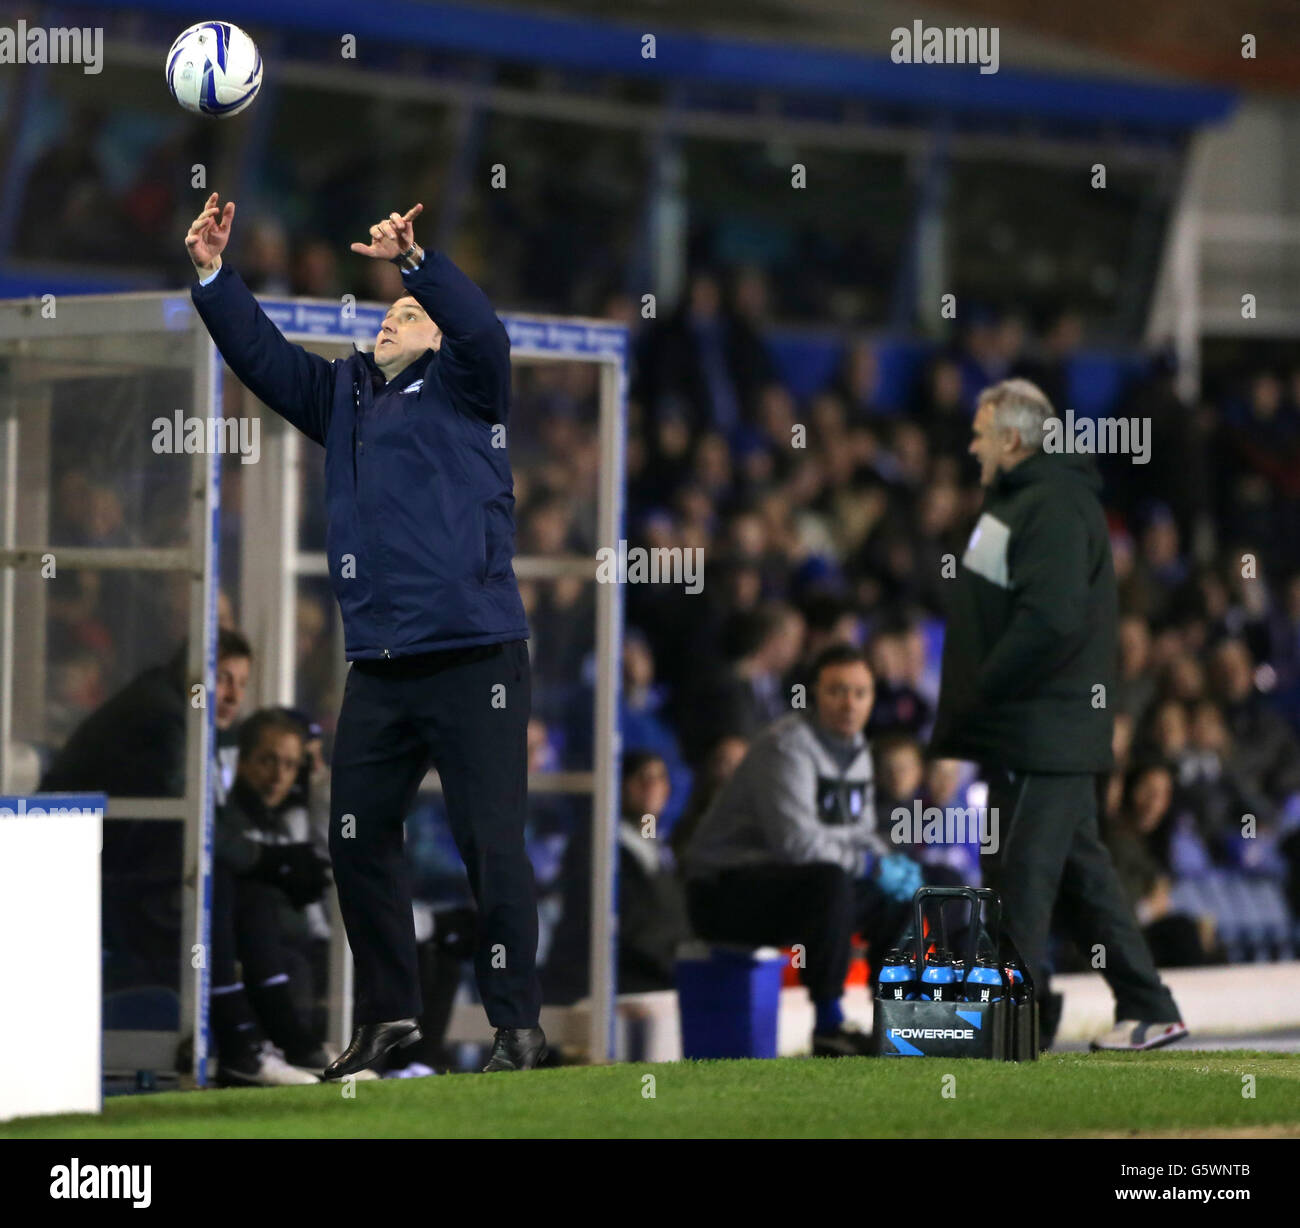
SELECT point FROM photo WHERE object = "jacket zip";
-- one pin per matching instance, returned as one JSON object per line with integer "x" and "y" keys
{"x": 840, "y": 781}
{"x": 360, "y": 450}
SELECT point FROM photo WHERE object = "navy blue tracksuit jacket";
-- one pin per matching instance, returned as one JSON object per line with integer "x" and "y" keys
{"x": 420, "y": 505}
{"x": 420, "y": 537}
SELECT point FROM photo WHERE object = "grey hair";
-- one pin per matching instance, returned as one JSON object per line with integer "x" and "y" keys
{"x": 1019, "y": 405}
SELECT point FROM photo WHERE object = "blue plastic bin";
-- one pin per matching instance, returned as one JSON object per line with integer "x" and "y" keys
{"x": 729, "y": 998}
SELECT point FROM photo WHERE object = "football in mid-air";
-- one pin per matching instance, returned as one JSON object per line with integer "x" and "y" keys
{"x": 214, "y": 68}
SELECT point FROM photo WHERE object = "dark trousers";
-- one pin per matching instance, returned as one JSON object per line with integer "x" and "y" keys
{"x": 278, "y": 982}
{"x": 1050, "y": 855}
{"x": 466, "y": 712}
{"x": 245, "y": 927}
{"x": 819, "y": 906}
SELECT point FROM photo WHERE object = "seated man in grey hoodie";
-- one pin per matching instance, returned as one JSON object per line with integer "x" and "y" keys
{"x": 789, "y": 852}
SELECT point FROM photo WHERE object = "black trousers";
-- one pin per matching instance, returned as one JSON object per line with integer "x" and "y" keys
{"x": 820, "y": 906}
{"x": 1050, "y": 855}
{"x": 466, "y": 712}
{"x": 249, "y": 925}
{"x": 246, "y": 927}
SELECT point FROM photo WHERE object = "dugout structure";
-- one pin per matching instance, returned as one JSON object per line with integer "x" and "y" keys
{"x": 114, "y": 546}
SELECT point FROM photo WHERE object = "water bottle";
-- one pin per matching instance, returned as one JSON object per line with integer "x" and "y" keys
{"x": 983, "y": 982}
{"x": 897, "y": 978}
{"x": 939, "y": 981}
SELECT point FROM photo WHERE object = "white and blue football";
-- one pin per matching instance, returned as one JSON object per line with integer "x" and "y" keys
{"x": 214, "y": 68}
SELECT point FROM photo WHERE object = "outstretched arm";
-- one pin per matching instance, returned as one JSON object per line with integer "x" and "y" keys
{"x": 475, "y": 353}
{"x": 297, "y": 384}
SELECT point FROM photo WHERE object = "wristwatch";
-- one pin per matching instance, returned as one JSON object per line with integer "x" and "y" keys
{"x": 408, "y": 261}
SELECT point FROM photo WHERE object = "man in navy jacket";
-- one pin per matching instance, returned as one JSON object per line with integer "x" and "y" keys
{"x": 420, "y": 538}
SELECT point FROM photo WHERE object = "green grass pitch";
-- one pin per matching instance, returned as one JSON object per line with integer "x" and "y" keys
{"x": 1159, "y": 1093}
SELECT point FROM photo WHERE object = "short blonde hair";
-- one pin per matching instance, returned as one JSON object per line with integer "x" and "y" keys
{"x": 1020, "y": 405}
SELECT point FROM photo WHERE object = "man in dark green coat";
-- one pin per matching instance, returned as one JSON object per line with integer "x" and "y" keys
{"x": 1028, "y": 674}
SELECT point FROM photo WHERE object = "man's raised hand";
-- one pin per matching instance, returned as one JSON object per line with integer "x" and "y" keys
{"x": 391, "y": 237}
{"x": 208, "y": 235}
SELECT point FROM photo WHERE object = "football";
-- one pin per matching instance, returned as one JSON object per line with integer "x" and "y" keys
{"x": 214, "y": 68}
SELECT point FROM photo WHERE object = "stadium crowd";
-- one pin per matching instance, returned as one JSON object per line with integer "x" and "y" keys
{"x": 844, "y": 538}
{"x": 824, "y": 503}
{"x": 828, "y": 518}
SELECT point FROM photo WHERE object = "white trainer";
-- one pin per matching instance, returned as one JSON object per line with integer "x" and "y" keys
{"x": 274, "y": 1071}
{"x": 1133, "y": 1034}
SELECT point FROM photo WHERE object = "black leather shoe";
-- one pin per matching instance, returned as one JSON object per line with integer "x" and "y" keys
{"x": 517, "y": 1049}
{"x": 848, "y": 1040}
{"x": 369, "y": 1043}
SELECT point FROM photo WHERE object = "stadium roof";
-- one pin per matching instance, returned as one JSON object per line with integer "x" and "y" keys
{"x": 1195, "y": 40}
{"x": 790, "y": 57}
